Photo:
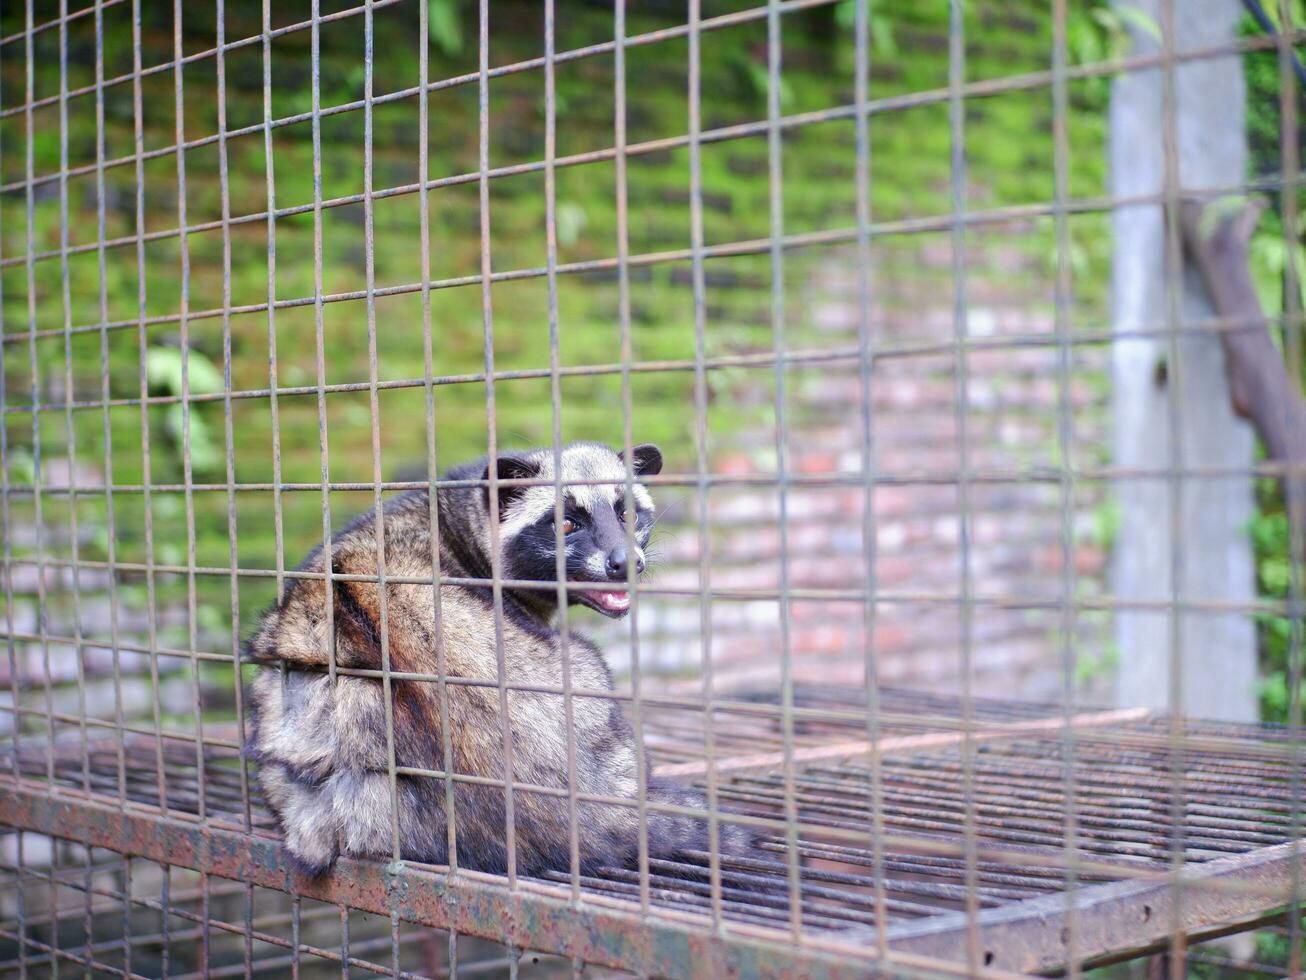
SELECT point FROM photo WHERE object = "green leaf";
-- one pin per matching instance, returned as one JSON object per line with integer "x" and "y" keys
{"x": 22, "y": 466}
{"x": 571, "y": 221}
{"x": 882, "y": 38}
{"x": 1139, "y": 20}
{"x": 163, "y": 368}
{"x": 444, "y": 26}
{"x": 879, "y": 27}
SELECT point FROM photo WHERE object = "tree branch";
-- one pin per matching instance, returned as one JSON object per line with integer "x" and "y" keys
{"x": 1260, "y": 387}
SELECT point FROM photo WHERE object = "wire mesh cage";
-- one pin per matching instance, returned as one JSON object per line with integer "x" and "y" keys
{"x": 963, "y": 571}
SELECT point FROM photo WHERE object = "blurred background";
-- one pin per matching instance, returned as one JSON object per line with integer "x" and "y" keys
{"x": 1057, "y": 510}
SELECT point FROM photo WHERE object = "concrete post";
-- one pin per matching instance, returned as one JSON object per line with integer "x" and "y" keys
{"x": 1217, "y": 651}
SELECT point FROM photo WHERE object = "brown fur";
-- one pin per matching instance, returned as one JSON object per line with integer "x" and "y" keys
{"x": 322, "y": 745}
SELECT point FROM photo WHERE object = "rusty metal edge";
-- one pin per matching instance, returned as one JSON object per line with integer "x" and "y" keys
{"x": 468, "y": 903}
{"x": 1030, "y": 936}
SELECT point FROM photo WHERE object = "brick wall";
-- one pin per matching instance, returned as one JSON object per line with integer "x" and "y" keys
{"x": 1015, "y": 500}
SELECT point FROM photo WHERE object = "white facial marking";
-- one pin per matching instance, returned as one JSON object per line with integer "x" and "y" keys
{"x": 597, "y": 565}
{"x": 579, "y": 462}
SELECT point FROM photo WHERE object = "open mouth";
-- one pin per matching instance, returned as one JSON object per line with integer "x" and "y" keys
{"x": 608, "y": 603}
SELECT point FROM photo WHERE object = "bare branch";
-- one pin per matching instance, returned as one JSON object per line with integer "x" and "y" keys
{"x": 1262, "y": 390}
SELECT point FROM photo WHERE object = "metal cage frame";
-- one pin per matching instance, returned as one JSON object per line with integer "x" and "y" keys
{"x": 1042, "y": 874}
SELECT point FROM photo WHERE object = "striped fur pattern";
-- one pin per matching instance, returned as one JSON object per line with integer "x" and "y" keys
{"x": 322, "y": 746}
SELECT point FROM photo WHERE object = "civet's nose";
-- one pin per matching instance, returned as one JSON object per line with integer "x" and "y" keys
{"x": 618, "y": 563}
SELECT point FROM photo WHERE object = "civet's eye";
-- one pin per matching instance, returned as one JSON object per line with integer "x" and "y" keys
{"x": 568, "y": 525}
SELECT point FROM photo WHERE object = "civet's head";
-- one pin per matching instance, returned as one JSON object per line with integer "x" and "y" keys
{"x": 596, "y": 522}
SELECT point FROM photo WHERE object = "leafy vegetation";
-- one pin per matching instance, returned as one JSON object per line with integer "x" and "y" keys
{"x": 1009, "y": 163}
{"x": 1273, "y": 253}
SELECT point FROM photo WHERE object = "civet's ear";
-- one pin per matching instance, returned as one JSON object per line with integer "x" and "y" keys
{"x": 647, "y": 459}
{"x": 509, "y": 468}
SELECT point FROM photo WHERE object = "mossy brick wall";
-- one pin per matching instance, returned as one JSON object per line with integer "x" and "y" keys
{"x": 1009, "y": 275}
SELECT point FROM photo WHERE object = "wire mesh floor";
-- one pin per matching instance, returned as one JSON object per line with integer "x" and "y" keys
{"x": 984, "y": 826}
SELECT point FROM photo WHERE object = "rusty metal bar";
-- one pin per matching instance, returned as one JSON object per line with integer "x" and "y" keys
{"x": 535, "y": 916}
{"x": 1018, "y": 870}
{"x": 1028, "y": 938}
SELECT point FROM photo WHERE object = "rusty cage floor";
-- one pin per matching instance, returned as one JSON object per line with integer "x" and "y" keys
{"x": 979, "y": 824}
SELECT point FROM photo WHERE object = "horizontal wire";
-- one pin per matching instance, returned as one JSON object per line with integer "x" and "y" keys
{"x": 163, "y": 67}
{"x": 56, "y": 22}
{"x": 732, "y": 249}
{"x": 664, "y": 34}
{"x": 941, "y": 477}
{"x": 977, "y": 89}
{"x": 1284, "y": 607}
{"x": 1088, "y": 337}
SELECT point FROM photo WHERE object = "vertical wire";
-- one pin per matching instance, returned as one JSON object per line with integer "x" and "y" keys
{"x": 775, "y": 185}
{"x": 487, "y": 314}
{"x": 295, "y": 903}
{"x": 555, "y": 400}
{"x": 88, "y": 917}
{"x": 1295, "y": 506}
{"x": 52, "y": 900}
{"x": 1065, "y": 441}
{"x": 70, "y": 440}
{"x": 701, "y": 447}
{"x": 20, "y": 897}
{"x": 248, "y": 924}
{"x": 432, "y": 467}
{"x": 374, "y": 404}
{"x": 205, "y": 922}
{"x": 70, "y": 447}
{"x": 165, "y": 920}
{"x": 269, "y": 161}
{"x": 344, "y": 938}
{"x": 394, "y": 942}
{"x": 192, "y": 612}
{"x": 224, "y": 191}
{"x": 127, "y": 914}
{"x": 6, "y": 553}
{"x": 111, "y": 547}
{"x": 274, "y": 410}
{"x": 1174, "y": 462}
{"x": 957, "y": 124}
{"x": 147, "y": 501}
{"x": 42, "y": 625}
{"x": 228, "y": 434}
{"x": 329, "y": 589}
{"x": 866, "y": 369}
{"x": 627, "y": 435}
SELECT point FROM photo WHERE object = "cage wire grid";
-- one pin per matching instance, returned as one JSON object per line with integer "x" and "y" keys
{"x": 908, "y": 833}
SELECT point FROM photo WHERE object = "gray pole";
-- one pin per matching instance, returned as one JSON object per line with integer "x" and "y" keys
{"x": 1218, "y": 651}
